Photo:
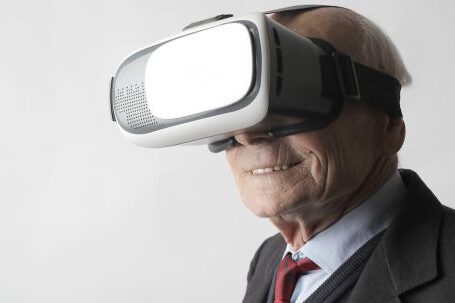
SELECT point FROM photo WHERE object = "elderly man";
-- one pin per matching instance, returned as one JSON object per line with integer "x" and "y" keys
{"x": 312, "y": 141}
{"x": 352, "y": 228}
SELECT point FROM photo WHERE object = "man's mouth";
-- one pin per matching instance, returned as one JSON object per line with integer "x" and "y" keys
{"x": 268, "y": 170}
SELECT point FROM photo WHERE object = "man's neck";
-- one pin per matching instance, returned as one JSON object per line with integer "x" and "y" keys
{"x": 300, "y": 225}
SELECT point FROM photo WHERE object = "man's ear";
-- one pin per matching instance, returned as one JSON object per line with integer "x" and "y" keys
{"x": 394, "y": 133}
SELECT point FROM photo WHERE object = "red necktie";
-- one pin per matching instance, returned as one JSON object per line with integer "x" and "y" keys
{"x": 288, "y": 274}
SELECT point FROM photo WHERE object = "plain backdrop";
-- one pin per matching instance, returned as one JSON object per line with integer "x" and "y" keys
{"x": 85, "y": 216}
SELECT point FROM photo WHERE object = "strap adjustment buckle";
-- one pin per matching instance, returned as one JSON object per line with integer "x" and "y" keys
{"x": 347, "y": 76}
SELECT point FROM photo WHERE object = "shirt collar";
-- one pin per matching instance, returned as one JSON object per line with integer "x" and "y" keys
{"x": 333, "y": 246}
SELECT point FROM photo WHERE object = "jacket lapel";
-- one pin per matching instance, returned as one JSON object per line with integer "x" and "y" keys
{"x": 407, "y": 256}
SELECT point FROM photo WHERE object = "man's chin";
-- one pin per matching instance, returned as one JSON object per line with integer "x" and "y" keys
{"x": 267, "y": 208}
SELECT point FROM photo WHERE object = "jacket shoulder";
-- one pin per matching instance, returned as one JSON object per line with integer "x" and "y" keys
{"x": 448, "y": 232}
{"x": 441, "y": 288}
{"x": 265, "y": 253}
{"x": 262, "y": 268}
{"x": 450, "y": 212}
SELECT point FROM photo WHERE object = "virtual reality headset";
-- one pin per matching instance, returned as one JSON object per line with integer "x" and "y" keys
{"x": 229, "y": 75}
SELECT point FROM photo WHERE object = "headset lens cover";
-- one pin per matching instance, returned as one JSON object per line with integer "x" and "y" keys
{"x": 200, "y": 72}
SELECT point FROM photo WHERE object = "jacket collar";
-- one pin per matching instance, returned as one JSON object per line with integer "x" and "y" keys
{"x": 411, "y": 244}
{"x": 407, "y": 256}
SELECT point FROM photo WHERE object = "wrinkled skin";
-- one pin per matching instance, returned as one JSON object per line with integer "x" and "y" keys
{"x": 339, "y": 166}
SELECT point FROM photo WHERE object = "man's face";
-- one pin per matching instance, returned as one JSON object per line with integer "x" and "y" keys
{"x": 323, "y": 166}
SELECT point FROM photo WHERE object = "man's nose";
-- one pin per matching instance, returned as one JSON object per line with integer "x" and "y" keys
{"x": 253, "y": 138}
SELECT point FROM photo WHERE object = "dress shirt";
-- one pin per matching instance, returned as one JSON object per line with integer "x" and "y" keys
{"x": 334, "y": 245}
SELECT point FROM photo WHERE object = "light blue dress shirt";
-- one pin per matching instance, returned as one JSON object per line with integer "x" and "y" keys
{"x": 333, "y": 246}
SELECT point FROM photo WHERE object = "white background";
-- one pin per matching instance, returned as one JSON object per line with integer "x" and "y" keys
{"x": 87, "y": 217}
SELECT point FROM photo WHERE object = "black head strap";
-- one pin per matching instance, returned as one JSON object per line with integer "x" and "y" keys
{"x": 357, "y": 81}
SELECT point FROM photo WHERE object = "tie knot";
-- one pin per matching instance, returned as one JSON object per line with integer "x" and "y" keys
{"x": 288, "y": 264}
{"x": 305, "y": 264}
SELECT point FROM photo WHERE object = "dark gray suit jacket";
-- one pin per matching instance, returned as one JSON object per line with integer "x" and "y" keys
{"x": 413, "y": 261}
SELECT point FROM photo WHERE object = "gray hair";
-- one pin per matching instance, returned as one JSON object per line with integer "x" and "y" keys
{"x": 372, "y": 46}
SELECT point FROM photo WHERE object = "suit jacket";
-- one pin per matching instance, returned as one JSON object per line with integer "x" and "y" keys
{"x": 413, "y": 261}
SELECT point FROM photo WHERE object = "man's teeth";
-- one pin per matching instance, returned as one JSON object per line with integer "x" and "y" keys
{"x": 266, "y": 170}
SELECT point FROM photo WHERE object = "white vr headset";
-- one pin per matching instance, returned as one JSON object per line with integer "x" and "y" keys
{"x": 229, "y": 75}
